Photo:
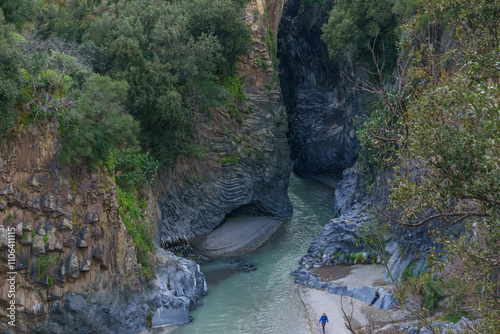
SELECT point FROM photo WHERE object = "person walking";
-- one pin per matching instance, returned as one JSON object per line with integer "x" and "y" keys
{"x": 323, "y": 320}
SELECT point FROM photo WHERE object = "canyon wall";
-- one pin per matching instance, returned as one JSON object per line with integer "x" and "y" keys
{"x": 320, "y": 104}
{"x": 246, "y": 163}
{"x": 75, "y": 264}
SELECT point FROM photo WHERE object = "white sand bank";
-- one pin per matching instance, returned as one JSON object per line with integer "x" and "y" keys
{"x": 236, "y": 236}
{"x": 318, "y": 301}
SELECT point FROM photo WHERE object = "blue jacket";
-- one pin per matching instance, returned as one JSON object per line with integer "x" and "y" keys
{"x": 324, "y": 318}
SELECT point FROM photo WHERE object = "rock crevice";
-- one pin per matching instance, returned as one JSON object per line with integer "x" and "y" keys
{"x": 321, "y": 106}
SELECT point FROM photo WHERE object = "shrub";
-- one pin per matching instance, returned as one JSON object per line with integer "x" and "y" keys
{"x": 135, "y": 168}
{"x": 140, "y": 229}
{"x": 10, "y": 78}
{"x": 100, "y": 123}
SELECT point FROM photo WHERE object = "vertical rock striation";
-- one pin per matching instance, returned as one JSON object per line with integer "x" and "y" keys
{"x": 76, "y": 264}
{"x": 246, "y": 162}
{"x": 320, "y": 105}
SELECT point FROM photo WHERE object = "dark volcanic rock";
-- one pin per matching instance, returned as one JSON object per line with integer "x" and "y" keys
{"x": 168, "y": 299}
{"x": 76, "y": 262}
{"x": 338, "y": 242}
{"x": 320, "y": 105}
{"x": 247, "y": 165}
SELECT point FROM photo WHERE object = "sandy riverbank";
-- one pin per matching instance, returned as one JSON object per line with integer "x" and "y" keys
{"x": 318, "y": 301}
{"x": 236, "y": 236}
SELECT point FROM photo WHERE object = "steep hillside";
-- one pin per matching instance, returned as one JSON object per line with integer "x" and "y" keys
{"x": 246, "y": 165}
{"x": 76, "y": 266}
{"x": 83, "y": 259}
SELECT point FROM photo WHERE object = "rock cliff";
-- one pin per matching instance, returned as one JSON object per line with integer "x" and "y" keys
{"x": 246, "y": 163}
{"x": 75, "y": 263}
{"x": 321, "y": 106}
{"x": 339, "y": 242}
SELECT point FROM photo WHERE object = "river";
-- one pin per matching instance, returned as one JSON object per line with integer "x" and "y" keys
{"x": 265, "y": 300}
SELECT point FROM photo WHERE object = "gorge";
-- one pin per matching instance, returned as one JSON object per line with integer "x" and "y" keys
{"x": 155, "y": 180}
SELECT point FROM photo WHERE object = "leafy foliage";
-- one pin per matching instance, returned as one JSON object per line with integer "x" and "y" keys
{"x": 422, "y": 288}
{"x": 140, "y": 229}
{"x": 221, "y": 20}
{"x": 446, "y": 144}
{"x": 19, "y": 12}
{"x": 129, "y": 82}
{"x": 100, "y": 123}
{"x": 171, "y": 53}
{"x": 10, "y": 76}
{"x": 135, "y": 169}
{"x": 172, "y": 62}
{"x": 354, "y": 25}
{"x": 378, "y": 135}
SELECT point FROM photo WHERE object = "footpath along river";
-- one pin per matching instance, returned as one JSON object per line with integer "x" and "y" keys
{"x": 265, "y": 300}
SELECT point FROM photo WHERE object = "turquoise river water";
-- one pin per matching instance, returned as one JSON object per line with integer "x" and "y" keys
{"x": 265, "y": 300}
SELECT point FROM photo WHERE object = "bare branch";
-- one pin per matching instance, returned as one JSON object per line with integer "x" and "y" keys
{"x": 347, "y": 319}
{"x": 382, "y": 138}
{"x": 461, "y": 216}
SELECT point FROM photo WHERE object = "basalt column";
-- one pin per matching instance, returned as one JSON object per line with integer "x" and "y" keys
{"x": 246, "y": 162}
{"x": 321, "y": 107}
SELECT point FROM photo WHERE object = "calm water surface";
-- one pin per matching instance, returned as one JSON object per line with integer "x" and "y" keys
{"x": 265, "y": 300}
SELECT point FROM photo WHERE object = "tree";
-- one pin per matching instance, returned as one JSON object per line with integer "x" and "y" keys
{"x": 100, "y": 123}
{"x": 172, "y": 55}
{"x": 18, "y": 12}
{"x": 10, "y": 75}
{"x": 355, "y": 26}
{"x": 449, "y": 164}
{"x": 221, "y": 19}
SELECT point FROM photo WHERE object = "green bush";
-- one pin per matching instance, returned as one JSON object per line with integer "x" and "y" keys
{"x": 100, "y": 123}
{"x": 172, "y": 55}
{"x": 20, "y": 12}
{"x": 233, "y": 84}
{"x": 140, "y": 229}
{"x": 10, "y": 76}
{"x": 48, "y": 263}
{"x": 353, "y": 25}
{"x": 221, "y": 19}
{"x": 432, "y": 293}
{"x": 134, "y": 168}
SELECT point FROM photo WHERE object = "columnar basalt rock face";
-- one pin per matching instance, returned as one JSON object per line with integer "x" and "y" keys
{"x": 246, "y": 162}
{"x": 321, "y": 105}
{"x": 76, "y": 265}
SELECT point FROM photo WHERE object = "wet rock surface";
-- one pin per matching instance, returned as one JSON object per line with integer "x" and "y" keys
{"x": 178, "y": 286}
{"x": 338, "y": 241}
{"x": 236, "y": 236}
{"x": 321, "y": 107}
{"x": 242, "y": 266}
{"x": 339, "y": 244}
{"x": 364, "y": 294}
{"x": 464, "y": 325}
